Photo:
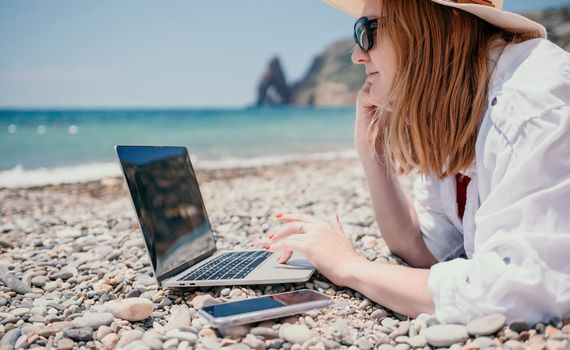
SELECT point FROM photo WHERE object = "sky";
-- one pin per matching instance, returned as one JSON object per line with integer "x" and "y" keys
{"x": 153, "y": 54}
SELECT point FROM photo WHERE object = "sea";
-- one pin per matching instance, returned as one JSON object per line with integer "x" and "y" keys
{"x": 40, "y": 147}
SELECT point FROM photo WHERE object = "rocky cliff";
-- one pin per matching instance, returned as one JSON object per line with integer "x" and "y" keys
{"x": 332, "y": 79}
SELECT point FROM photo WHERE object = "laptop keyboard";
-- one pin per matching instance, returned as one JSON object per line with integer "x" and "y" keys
{"x": 230, "y": 265}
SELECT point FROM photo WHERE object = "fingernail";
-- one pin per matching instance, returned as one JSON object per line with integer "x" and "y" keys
{"x": 267, "y": 247}
{"x": 270, "y": 236}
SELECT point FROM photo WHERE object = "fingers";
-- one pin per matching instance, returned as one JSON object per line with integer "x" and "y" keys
{"x": 295, "y": 217}
{"x": 285, "y": 256}
{"x": 291, "y": 229}
{"x": 295, "y": 243}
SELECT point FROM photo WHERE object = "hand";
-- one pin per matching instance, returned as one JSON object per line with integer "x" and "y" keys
{"x": 365, "y": 110}
{"x": 323, "y": 243}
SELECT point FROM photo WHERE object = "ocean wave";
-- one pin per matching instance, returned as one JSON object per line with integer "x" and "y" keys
{"x": 19, "y": 177}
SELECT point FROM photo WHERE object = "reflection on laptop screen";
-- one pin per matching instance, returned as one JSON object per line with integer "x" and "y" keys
{"x": 168, "y": 203}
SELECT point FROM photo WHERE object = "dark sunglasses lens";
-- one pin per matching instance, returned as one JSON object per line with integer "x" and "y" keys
{"x": 361, "y": 36}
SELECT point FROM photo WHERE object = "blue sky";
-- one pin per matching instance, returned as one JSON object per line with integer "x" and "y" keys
{"x": 150, "y": 53}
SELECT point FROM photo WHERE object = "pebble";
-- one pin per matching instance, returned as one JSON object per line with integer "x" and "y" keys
{"x": 418, "y": 341}
{"x": 445, "y": 335}
{"x": 53, "y": 328}
{"x": 296, "y": 334}
{"x": 131, "y": 309}
{"x": 14, "y": 283}
{"x": 9, "y": 339}
{"x": 519, "y": 326}
{"x": 94, "y": 320}
{"x": 254, "y": 342}
{"x": 128, "y": 337}
{"x": 264, "y": 332}
{"x": 39, "y": 281}
{"x": 70, "y": 263}
{"x": 153, "y": 340}
{"x": 200, "y": 301}
{"x": 110, "y": 340}
{"x": 181, "y": 335}
{"x": 364, "y": 344}
{"x": 79, "y": 334}
{"x": 65, "y": 344}
{"x": 179, "y": 317}
{"x": 236, "y": 331}
{"x": 20, "y": 311}
{"x": 210, "y": 343}
{"x": 486, "y": 325}
{"x": 376, "y": 314}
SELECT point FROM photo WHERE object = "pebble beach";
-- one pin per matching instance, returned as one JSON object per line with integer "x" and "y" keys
{"x": 74, "y": 273}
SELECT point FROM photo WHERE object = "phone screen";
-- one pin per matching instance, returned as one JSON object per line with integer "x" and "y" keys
{"x": 263, "y": 303}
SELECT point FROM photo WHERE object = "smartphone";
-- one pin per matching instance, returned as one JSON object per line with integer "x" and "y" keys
{"x": 263, "y": 308}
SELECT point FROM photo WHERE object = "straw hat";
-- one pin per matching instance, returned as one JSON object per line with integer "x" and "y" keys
{"x": 489, "y": 10}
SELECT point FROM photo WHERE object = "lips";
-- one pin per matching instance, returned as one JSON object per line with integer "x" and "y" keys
{"x": 371, "y": 75}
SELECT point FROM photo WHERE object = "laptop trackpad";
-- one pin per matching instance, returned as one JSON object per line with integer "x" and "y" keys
{"x": 296, "y": 264}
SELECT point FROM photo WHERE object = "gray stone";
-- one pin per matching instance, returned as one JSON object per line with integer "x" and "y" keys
{"x": 296, "y": 334}
{"x": 39, "y": 281}
{"x": 20, "y": 311}
{"x": 210, "y": 343}
{"x": 486, "y": 325}
{"x": 264, "y": 332}
{"x": 254, "y": 342}
{"x": 79, "y": 334}
{"x": 363, "y": 344}
{"x": 14, "y": 283}
{"x": 181, "y": 335}
{"x": 236, "y": 331}
{"x": 8, "y": 341}
{"x": 519, "y": 327}
{"x": 153, "y": 340}
{"x": 445, "y": 335}
{"x": 418, "y": 341}
{"x": 136, "y": 345}
{"x": 484, "y": 342}
{"x": 129, "y": 337}
{"x": 94, "y": 320}
{"x": 321, "y": 284}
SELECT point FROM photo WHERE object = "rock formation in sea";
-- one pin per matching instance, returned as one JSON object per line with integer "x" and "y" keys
{"x": 332, "y": 79}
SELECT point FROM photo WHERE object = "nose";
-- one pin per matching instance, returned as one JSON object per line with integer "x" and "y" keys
{"x": 359, "y": 56}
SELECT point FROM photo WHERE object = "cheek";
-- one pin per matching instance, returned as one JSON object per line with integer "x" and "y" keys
{"x": 379, "y": 89}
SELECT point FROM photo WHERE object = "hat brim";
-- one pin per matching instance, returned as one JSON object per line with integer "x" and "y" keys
{"x": 509, "y": 21}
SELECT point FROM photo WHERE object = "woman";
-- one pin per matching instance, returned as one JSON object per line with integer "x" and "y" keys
{"x": 476, "y": 101}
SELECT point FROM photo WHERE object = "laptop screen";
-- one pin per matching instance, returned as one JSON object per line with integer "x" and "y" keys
{"x": 169, "y": 205}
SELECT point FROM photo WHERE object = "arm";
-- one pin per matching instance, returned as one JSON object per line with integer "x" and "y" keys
{"x": 520, "y": 266}
{"x": 402, "y": 289}
{"x": 394, "y": 212}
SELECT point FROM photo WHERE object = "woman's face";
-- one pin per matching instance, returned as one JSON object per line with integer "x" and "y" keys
{"x": 379, "y": 62}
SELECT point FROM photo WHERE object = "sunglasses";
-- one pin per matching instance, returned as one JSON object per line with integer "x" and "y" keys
{"x": 364, "y": 29}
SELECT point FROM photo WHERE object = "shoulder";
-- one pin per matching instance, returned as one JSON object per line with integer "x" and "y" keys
{"x": 531, "y": 84}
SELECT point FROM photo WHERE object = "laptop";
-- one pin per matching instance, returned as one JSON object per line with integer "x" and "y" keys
{"x": 177, "y": 232}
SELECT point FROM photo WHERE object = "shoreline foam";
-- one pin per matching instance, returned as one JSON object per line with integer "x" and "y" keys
{"x": 19, "y": 177}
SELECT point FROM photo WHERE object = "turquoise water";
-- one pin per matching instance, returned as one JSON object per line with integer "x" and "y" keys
{"x": 51, "y": 139}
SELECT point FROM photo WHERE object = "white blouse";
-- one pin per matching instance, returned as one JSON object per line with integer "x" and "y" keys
{"x": 515, "y": 231}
